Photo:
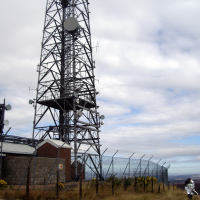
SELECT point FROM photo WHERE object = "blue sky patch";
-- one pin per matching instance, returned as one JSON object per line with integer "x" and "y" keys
{"x": 135, "y": 111}
{"x": 183, "y": 93}
{"x": 189, "y": 140}
{"x": 101, "y": 99}
{"x": 170, "y": 90}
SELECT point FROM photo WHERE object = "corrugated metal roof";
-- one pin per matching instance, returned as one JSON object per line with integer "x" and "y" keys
{"x": 55, "y": 143}
{"x": 17, "y": 148}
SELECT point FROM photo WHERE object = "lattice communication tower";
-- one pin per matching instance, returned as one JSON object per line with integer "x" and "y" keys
{"x": 65, "y": 104}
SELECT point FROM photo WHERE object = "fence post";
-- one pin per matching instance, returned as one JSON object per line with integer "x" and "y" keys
{"x": 57, "y": 189}
{"x": 97, "y": 184}
{"x": 168, "y": 185}
{"x": 163, "y": 186}
{"x": 163, "y": 176}
{"x": 80, "y": 189}
{"x": 130, "y": 164}
{"x": 157, "y": 168}
{"x": 141, "y": 164}
{"x": 148, "y": 165}
{"x": 125, "y": 183}
{"x": 101, "y": 165}
{"x": 144, "y": 184}
{"x": 112, "y": 184}
{"x": 113, "y": 163}
{"x": 159, "y": 188}
{"x": 27, "y": 182}
{"x": 135, "y": 184}
{"x": 173, "y": 186}
{"x": 152, "y": 184}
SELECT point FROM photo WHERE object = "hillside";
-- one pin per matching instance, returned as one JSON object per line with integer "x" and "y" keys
{"x": 183, "y": 178}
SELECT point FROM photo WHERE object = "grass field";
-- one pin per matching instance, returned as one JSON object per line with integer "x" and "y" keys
{"x": 104, "y": 192}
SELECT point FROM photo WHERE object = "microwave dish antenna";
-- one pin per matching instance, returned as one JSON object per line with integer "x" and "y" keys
{"x": 71, "y": 25}
{"x": 8, "y": 107}
{"x": 6, "y": 122}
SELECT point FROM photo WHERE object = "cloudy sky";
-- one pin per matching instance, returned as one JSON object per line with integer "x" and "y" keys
{"x": 148, "y": 67}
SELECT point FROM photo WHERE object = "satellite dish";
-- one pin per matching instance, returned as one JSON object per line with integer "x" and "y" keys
{"x": 6, "y": 122}
{"x": 8, "y": 107}
{"x": 102, "y": 122}
{"x": 79, "y": 113}
{"x": 102, "y": 117}
{"x": 75, "y": 94}
{"x": 71, "y": 25}
{"x": 30, "y": 101}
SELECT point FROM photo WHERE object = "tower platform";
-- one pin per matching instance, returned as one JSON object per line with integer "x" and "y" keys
{"x": 66, "y": 103}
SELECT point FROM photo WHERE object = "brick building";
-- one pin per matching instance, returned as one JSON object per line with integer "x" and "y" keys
{"x": 10, "y": 150}
{"x": 17, "y": 156}
{"x": 15, "y": 170}
{"x": 80, "y": 170}
{"x": 50, "y": 149}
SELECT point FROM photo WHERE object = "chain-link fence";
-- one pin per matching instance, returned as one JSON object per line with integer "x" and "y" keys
{"x": 128, "y": 167}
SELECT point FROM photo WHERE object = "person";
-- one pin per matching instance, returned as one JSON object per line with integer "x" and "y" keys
{"x": 190, "y": 188}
